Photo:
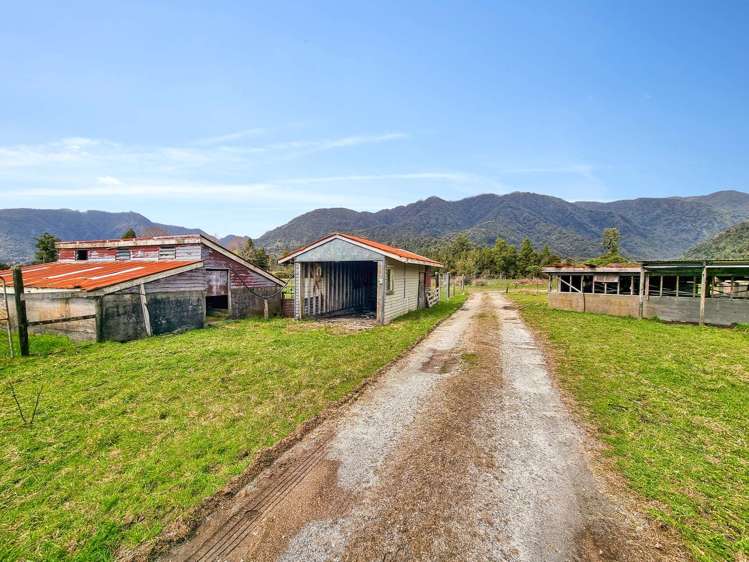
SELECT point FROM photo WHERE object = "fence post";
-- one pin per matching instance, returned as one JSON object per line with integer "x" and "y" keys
{"x": 21, "y": 320}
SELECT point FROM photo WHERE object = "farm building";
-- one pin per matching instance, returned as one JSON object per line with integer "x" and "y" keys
{"x": 704, "y": 292}
{"x": 343, "y": 274}
{"x": 126, "y": 289}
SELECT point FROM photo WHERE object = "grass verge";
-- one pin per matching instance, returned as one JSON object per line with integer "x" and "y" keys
{"x": 671, "y": 402}
{"x": 130, "y": 436}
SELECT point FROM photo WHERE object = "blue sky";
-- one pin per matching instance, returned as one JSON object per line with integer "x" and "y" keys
{"x": 236, "y": 117}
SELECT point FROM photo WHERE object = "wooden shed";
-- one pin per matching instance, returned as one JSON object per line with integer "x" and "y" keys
{"x": 343, "y": 274}
{"x": 126, "y": 289}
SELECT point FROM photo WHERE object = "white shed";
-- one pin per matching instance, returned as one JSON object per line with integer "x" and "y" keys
{"x": 343, "y": 274}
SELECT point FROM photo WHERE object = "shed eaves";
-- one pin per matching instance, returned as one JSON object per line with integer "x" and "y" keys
{"x": 405, "y": 255}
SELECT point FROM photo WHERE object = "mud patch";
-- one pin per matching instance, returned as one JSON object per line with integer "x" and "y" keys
{"x": 440, "y": 362}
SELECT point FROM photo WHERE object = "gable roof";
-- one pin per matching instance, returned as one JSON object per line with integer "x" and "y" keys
{"x": 390, "y": 251}
{"x": 169, "y": 241}
{"x": 91, "y": 276}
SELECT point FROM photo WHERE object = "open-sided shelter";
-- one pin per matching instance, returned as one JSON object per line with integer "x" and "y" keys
{"x": 344, "y": 274}
{"x": 704, "y": 292}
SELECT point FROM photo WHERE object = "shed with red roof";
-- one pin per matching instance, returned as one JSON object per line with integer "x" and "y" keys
{"x": 126, "y": 289}
{"x": 344, "y": 274}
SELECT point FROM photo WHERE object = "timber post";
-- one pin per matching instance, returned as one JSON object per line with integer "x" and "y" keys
{"x": 21, "y": 320}
{"x": 144, "y": 309}
{"x": 703, "y": 294}
{"x": 641, "y": 291}
{"x": 98, "y": 304}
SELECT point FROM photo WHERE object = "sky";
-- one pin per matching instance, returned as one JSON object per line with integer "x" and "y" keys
{"x": 235, "y": 117}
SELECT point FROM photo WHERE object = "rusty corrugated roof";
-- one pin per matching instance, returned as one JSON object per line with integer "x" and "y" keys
{"x": 89, "y": 276}
{"x": 377, "y": 246}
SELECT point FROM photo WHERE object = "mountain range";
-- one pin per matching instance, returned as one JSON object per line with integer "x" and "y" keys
{"x": 650, "y": 227}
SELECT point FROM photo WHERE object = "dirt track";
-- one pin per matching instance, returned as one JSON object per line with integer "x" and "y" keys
{"x": 461, "y": 450}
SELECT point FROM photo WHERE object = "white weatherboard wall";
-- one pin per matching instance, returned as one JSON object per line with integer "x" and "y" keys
{"x": 405, "y": 296}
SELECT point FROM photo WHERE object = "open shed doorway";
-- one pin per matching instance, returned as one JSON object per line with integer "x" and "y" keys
{"x": 335, "y": 289}
{"x": 217, "y": 292}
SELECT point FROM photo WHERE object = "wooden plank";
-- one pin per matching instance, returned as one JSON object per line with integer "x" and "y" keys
{"x": 144, "y": 308}
{"x": 60, "y": 320}
{"x": 98, "y": 304}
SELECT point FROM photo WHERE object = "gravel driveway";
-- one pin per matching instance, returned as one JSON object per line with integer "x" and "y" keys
{"x": 462, "y": 450}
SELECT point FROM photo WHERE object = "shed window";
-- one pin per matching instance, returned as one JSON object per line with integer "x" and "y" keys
{"x": 123, "y": 254}
{"x": 167, "y": 253}
{"x": 390, "y": 281}
{"x": 81, "y": 255}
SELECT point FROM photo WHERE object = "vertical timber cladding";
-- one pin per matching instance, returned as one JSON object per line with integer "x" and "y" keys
{"x": 336, "y": 277}
{"x": 247, "y": 290}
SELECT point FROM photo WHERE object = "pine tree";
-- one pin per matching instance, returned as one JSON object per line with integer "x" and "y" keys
{"x": 129, "y": 233}
{"x": 526, "y": 258}
{"x": 46, "y": 251}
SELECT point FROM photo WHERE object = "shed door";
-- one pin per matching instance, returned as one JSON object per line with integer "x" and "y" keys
{"x": 218, "y": 282}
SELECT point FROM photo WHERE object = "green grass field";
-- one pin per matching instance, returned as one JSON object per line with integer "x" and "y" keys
{"x": 128, "y": 437}
{"x": 672, "y": 403}
{"x": 508, "y": 285}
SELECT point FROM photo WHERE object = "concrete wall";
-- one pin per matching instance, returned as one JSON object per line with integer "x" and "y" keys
{"x": 405, "y": 296}
{"x": 718, "y": 311}
{"x": 122, "y": 314}
{"x": 49, "y": 306}
{"x": 244, "y": 303}
{"x": 616, "y": 305}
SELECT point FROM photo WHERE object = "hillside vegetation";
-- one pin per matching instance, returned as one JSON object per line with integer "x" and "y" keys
{"x": 670, "y": 402}
{"x": 732, "y": 243}
{"x": 650, "y": 227}
{"x": 129, "y": 437}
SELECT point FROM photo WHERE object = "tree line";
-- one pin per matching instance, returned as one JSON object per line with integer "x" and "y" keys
{"x": 463, "y": 256}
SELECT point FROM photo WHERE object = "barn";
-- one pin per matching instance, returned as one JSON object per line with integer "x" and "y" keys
{"x": 342, "y": 274}
{"x": 122, "y": 290}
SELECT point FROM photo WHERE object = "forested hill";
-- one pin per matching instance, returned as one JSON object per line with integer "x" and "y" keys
{"x": 732, "y": 243}
{"x": 650, "y": 227}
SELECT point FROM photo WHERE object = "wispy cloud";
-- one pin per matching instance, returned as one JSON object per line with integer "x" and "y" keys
{"x": 80, "y": 150}
{"x": 584, "y": 170}
{"x": 230, "y": 137}
{"x": 296, "y": 148}
{"x": 453, "y": 177}
{"x": 109, "y": 186}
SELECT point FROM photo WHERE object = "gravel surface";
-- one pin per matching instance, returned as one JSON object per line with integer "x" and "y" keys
{"x": 463, "y": 450}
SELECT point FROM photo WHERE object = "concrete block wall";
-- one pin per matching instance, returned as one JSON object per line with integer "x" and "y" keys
{"x": 244, "y": 303}
{"x": 49, "y": 306}
{"x": 718, "y": 311}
